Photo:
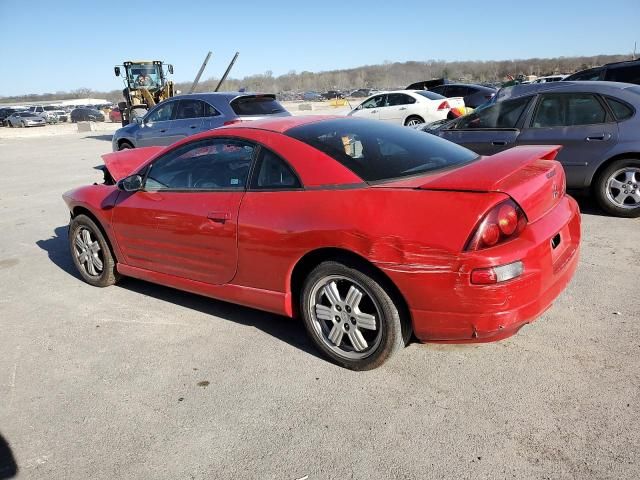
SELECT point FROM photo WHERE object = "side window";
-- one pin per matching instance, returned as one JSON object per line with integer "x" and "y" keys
{"x": 209, "y": 111}
{"x": 621, "y": 110}
{"x": 212, "y": 164}
{"x": 190, "y": 109}
{"x": 162, "y": 113}
{"x": 457, "y": 91}
{"x": 374, "y": 102}
{"x": 627, "y": 74}
{"x": 587, "y": 75}
{"x": 274, "y": 173}
{"x": 568, "y": 109}
{"x": 439, "y": 89}
{"x": 500, "y": 115}
{"x": 395, "y": 99}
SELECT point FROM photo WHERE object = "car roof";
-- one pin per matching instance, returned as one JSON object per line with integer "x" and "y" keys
{"x": 226, "y": 95}
{"x": 522, "y": 90}
{"x": 282, "y": 124}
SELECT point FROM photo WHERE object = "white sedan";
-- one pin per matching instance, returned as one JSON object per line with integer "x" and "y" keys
{"x": 407, "y": 107}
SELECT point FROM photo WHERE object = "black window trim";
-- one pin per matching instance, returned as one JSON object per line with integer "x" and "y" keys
{"x": 610, "y": 118}
{"x": 252, "y": 183}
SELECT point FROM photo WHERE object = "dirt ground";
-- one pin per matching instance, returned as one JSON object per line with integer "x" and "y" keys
{"x": 141, "y": 381}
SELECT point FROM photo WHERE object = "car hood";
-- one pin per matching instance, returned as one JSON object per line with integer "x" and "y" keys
{"x": 126, "y": 131}
{"x": 126, "y": 162}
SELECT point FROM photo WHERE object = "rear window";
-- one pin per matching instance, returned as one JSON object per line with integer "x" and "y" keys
{"x": 430, "y": 95}
{"x": 376, "y": 151}
{"x": 627, "y": 74}
{"x": 256, "y": 106}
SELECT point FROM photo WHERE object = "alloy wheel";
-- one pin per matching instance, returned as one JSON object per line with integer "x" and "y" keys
{"x": 88, "y": 252}
{"x": 623, "y": 188}
{"x": 413, "y": 122}
{"x": 346, "y": 316}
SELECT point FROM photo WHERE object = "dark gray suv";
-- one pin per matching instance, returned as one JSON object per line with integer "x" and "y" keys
{"x": 597, "y": 124}
{"x": 186, "y": 115}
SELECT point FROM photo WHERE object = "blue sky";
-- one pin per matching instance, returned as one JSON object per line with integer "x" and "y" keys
{"x": 49, "y": 46}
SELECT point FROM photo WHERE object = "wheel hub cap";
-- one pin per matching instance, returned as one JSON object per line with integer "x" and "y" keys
{"x": 622, "y": 188}
{"x": 88, "y": 252}
{"x": 346, "y": 316}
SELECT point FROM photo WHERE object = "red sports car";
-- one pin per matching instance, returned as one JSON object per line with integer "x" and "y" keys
{"x": 368, "y": 231}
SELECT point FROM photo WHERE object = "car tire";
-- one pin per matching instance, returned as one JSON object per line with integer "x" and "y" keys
{"x": 413, "y": 120}
{"x": 617, "y": 188}
{"x": 124, "y": 145}
{"x": 23, "y": 125}
{"x": 357, "y": 329}
{"x": 91, "y": 253}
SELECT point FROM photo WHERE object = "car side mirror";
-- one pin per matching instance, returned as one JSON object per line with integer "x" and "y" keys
{"x": 139, "y": 120}
{"x": 170, "y": 67}
{"x": 132, "y": 183}
{"x": 116, "y": 70}
{"x": 359, "y": 107}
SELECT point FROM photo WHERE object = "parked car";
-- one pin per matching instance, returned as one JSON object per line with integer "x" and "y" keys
{"x": 361, "y": 93}
{"x": 5, "y": 113}
{"x": 473, "y": 95}
{"x": 187, "y": 115}
{"x": 86, "y": 115}
{"x": 407, "y": 107}
{"x": 549, "y": 78}
{"x": 331, "y": 94}
{"x": 369, "y": 232}
{"x": 627, "y": 72}
{"x": 115, "y": 115}
{"x": 312, "y": 96}
{"x": 57, "y": 116}
{"x": 43, "y": 111}
{"x": 25, "y": 119}
{"x": 596, "y": 123}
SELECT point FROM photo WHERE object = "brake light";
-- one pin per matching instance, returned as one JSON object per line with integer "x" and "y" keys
{"x": 231, "y": 122}
{"x": 504, "y": 222}
{"x": 444, "y": 106}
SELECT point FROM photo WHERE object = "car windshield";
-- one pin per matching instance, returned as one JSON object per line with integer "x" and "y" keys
{"x": 258, "y": 105}
{"x": 376, "y": 151}
{"x": 430, "y": 95}
{"x": 26, "y": 114}
{"x": 144, "y": 75}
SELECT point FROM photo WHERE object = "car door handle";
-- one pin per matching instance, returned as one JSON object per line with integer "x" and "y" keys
{"x": 163, "y": 130}
{"x": 499, "y": 143}
{"x": 219, "y": 217}
{"x": 193, "y": 126}
{"x": 374, "y": 111}
{"x": 402, "y": 108}
{"x": 599, "y": 138}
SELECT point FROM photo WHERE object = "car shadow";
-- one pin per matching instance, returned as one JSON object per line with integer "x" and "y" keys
{"x": 288, "y": 330}
{"x": 105, "y": 138}
{"x": 587, "y": 204}
{"x": 8, "y": 465}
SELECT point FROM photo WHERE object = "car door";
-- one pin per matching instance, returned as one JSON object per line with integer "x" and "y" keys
{"x": 396, "y": 108}
{"x": 579, "y": 122}
{"x": 189, "y": 118}
{"x": 155, "y": 128}
{"x": 370, "y": 108}
{"x": 184, "y": 221}
{"x": 490, "y": 130}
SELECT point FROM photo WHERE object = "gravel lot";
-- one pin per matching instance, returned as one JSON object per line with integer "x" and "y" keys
{"x": 141, "y": 381}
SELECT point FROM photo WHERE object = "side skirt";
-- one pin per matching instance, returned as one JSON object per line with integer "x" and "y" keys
{"x": 267, "y": 300}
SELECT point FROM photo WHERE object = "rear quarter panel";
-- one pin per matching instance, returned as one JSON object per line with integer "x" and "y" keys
{"x": 421, "y": 231}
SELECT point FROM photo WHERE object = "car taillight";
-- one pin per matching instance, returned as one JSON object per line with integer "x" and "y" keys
{"x": 491, "y": 275}
{"x": 504, "y": 222}
{"x": 444, "y": 106}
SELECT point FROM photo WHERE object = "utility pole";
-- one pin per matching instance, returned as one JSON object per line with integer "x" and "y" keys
{"x": 197, "y": 79}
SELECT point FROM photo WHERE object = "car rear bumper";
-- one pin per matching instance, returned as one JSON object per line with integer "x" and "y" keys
{"x": 446, "y": 307}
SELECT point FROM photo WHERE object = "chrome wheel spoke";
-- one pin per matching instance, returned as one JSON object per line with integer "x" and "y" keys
{"x": 613, "y": 183}
{"x": 86, "y": 237}
{"x": 90, "y": 267}
{"x": 636, "y": 196}
{"x": 357, "y": 340}
{"x": 353, "y": 297}
{"x": 630, "y": 176}
{"x": 332, "y": 293}
{"x": 324, "y": 313}
{"x": 621, "y": 197}
{"x": 365, "y": 320}
{"x": 97, "y": 263}
{"x": 336, "y": 333}
{"x": 78, "y": 241}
